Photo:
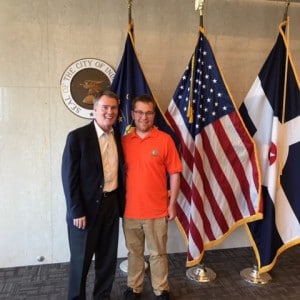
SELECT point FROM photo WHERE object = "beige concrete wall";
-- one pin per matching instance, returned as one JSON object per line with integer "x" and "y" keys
{"x": 39, "y": 39}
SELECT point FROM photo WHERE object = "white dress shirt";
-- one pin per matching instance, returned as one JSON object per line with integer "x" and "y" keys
{"x": 109, "y": 155}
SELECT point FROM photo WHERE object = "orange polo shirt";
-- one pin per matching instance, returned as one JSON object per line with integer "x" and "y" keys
{"x": 147, "y": 162}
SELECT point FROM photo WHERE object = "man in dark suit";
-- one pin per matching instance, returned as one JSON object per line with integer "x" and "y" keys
{"x": 92, "y": 176}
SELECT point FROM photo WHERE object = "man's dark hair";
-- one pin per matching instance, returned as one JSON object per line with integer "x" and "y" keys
{"x": 145, "y": 99}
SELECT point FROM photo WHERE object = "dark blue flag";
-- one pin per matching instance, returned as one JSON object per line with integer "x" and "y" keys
{"x": 130, "y": 82}
{"x": 271, "y": 111}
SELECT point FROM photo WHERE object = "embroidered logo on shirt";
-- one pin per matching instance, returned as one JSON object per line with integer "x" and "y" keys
{"x": 154, "y": 152}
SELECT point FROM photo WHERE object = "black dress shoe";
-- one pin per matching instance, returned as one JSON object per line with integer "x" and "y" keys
{"x": 164, "y": 296}
{"x": 129, "y": 294}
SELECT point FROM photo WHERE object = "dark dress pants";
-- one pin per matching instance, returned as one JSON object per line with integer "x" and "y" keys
{"x": 101, "y": 240}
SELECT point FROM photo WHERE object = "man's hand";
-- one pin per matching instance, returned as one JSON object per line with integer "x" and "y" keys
{"x": 171, "y": 212}
{"x": 80, "y": 222}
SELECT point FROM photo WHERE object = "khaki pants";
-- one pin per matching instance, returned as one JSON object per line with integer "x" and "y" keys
{"x": 155, "y": 233}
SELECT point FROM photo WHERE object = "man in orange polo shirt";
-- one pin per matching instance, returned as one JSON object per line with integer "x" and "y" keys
{"x": 150, "y": 155}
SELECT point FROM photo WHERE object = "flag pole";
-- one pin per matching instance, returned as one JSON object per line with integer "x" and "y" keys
{"x": 190, "y": 111}
{"x": 287, "y": 4}
{"x": 252, "y": 275}
{"x": 198, "y": 273}
{"x": 199, "y": 6}
{"x": 124, "y": 264}
{"x": 130, "y": 20}
{"x": 285, "y": 18}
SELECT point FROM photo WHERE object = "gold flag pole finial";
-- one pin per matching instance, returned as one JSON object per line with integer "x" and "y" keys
{"x": 130, "y": 20}
{"x": 199, "y": 6}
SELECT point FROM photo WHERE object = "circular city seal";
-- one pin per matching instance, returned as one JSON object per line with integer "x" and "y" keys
{"x": 81, "y": 81}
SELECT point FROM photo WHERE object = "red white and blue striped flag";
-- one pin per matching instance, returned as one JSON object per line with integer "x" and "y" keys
{"x": 271, "y": 111}
{"x": 220, "y": 180}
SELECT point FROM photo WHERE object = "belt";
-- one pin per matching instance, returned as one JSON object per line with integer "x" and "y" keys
{"x": 108, "y": 194}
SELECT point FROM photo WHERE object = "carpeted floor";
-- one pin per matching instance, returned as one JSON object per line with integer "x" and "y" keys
{"x": 50, "y": 281}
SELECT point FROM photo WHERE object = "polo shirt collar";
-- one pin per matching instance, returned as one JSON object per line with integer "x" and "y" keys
{"x": 152, "y": 133}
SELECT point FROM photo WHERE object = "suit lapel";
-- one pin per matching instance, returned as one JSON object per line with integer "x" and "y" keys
{"x": 94, "y": 143}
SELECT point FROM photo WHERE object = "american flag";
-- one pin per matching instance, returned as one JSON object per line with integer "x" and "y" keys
{"x": 271, "y": 111}
{"x": 220, "y": 180}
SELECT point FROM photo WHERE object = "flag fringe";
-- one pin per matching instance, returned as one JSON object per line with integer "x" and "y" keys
{"x": 218, "y": 241}
{"x": 286, "y": 43}
{"x": 280, "y": 250}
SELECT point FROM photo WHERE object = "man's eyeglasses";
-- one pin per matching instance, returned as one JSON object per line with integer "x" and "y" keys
{"x": 142, "y": 113}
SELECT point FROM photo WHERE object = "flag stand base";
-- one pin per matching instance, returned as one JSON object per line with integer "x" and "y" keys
{"x": 252, "y": 275}
{"x": 124, "y": 265}
{"x": 201, "y": 274}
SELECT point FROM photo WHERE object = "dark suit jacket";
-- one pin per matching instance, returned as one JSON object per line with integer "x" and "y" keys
{"x": 82, "y": 174}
